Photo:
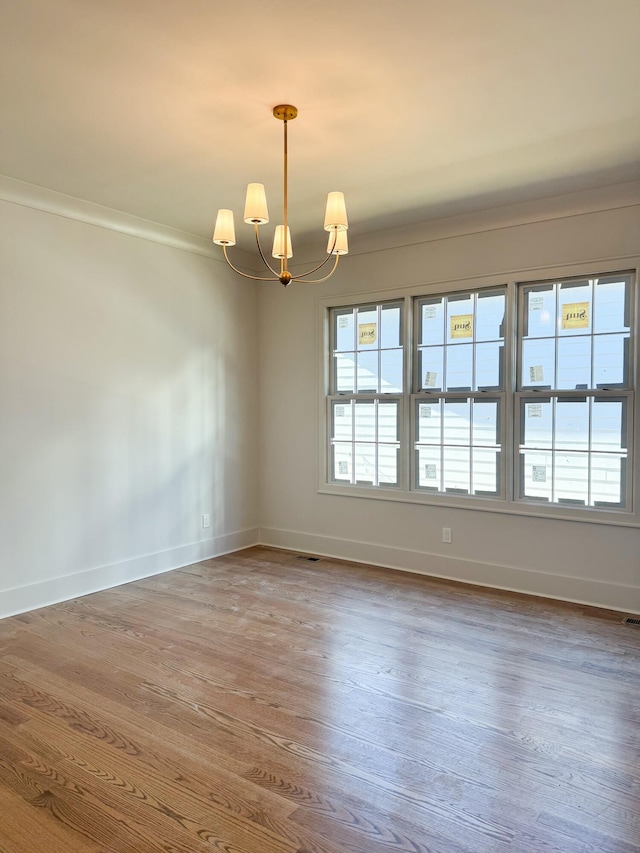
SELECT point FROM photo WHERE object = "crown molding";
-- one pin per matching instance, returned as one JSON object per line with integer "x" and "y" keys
{"x": 563, "y": 206}
{"x": 567, "y": 205}
{"x": 70, "y": 207}
{"x": 546, "y": 209}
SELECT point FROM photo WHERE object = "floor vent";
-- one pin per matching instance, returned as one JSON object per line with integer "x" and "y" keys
{"x": 309, "y": 559}
{"x": 631, "y": 620}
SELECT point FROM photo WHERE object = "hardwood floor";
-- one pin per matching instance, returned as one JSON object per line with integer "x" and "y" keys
{"x": 258, "y": 703}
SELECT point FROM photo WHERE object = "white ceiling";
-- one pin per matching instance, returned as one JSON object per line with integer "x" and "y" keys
{"x": 415, "y": 109}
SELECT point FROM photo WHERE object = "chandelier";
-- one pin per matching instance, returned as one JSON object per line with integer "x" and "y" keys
{"x": 256, "y": 214}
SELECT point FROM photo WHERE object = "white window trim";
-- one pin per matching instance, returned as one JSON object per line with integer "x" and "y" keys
{"x": 507, "y": 506}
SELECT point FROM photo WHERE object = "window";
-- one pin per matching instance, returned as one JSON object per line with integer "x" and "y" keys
{"x": 511, "y": 396}
{"x": 366, "y": 394}
{"x": 458, "y": 406}
{"x": 574, "y": 394}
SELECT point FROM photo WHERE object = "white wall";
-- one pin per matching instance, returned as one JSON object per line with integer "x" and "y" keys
{"x": 598, "y": 564}
{"x": 128, "y": 407}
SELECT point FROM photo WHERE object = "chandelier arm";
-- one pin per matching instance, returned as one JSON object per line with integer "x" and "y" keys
{"x": 303, "y": 280}
{"x": 266, "y": 262}
{"x": 321, "y": 264}
{"x": 245, "y": 274}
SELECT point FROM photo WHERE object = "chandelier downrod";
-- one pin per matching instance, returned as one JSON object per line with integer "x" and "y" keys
{"x": 256, "y": 214}
{"x": 285, "y": 275}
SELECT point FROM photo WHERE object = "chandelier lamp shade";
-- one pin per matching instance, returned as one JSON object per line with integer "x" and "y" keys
{"x": 256, "y": 213}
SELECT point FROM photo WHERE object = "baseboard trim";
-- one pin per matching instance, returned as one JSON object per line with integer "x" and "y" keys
{"x": 43, "y": 593}
{"x": 510, "y": 578}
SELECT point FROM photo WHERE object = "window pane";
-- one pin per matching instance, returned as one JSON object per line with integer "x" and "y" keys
{"x": 391, "y": 366}
{"x": 429, "y": 468}
{"x": 457, "y": 422}
{"x": 387, "y": 464}
{"x": 575, "y": 309}
{"x": 431, "y": 368}
{"x": 537, "y": 475}
{"x": 610, "y": 306}
{"x": 572, "y": 424}
{"x": 607, "y": 483}
{"x": 459, "y": 318}
{"x": 485, "y": 471}
{"x": 358, "y": 333}
{"x": 588, "y": 351}
{"x": 372, "y": 455}
{"x": 537, "y": 423}
{"x": 581, "y": 426}
{"x": 390, "y": 326}
{"x": 457, "y": 469}
{"x": 571, "y": 477}
{"x": 609, "y": 361}
{"x": 342, "y": 462}
{"x": 342, "y": 421}
{"x": 540, "y": 311}
{"x": 365, "y": 463}
{"x": 428, "y": 426}
{"x": 490, "y": 317}
{"x": 365, "y": 427}
{"x": 387, "y": 422}
{"x": 344, "y": 330}
{"x": 538, "y": 363}
{"x": 432, "y": 316}
{"x": 459, "y": 367}
{"x": 574, "y": 363}
{"x": 488, "y": 366}
{"x": 345, "y": 372}
{"x": 368, "y": 371}
{"x": 608, "y": 425}
{"x": 368, "y": 329}
{"x": 485, "y": 422}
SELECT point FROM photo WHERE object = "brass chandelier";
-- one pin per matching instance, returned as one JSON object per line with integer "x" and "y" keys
{"x": 256, "y": 214}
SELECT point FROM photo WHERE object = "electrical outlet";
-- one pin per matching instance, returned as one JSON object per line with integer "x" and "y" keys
{"x": 446, "y": 535}
{"x": 206, "y": 519}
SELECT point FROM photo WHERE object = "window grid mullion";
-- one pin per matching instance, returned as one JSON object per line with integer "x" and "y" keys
{"x": 554, "y": 405}
{"x": 445, "y": 346}
{"x": 376, "y": 448}
{"x": 471, "y": 415}
{"x": 590, "y": 444}
{"x": 353, "y": 438}
{"x": 379, "y": 321}
{"x": 441, "y": 408}
{"x": 592, "y": 344}
{"x": 556, "y": 340}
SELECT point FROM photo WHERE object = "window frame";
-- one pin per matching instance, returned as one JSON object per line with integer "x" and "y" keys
{"x": 523, "y": 393}
{"x": 421, "y": 395}
{"x": 335, "y": 397}
{"x": 509, "y": 504}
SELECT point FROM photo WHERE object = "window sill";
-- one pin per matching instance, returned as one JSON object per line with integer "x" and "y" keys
{"x": 616, "y": 518}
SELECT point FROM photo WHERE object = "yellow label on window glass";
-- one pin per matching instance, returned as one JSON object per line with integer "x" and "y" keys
{"x": 367, "y": 333}
{"x": 575, "y": 315}
{"x": 461, "y": 326}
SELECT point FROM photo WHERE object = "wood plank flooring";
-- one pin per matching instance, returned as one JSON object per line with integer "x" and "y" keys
{"x": 259, "y": 703}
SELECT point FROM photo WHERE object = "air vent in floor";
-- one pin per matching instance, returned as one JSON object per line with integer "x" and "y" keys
{"x": 631, "y": 620}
